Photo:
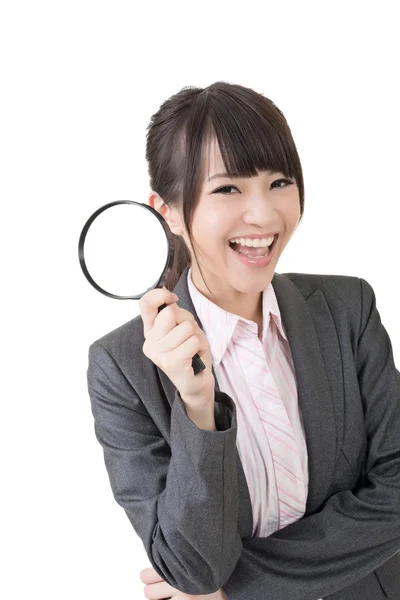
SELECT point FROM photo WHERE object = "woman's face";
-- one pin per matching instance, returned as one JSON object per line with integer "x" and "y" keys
{"x": 229, "y": 208}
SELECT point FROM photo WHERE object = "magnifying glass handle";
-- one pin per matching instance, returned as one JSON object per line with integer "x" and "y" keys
{"x": 197, "y": 363}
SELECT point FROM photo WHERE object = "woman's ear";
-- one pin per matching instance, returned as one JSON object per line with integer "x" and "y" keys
{"x": 170, "y": 214}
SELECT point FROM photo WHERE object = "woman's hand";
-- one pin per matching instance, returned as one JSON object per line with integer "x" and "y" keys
{"x": 172, "y": 339}
{"x": 157, "y": 589}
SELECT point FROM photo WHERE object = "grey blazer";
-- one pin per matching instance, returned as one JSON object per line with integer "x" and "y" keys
{"x": 184, "y": 489}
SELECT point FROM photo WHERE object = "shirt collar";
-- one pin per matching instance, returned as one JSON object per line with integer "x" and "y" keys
{"x": 219, "y": 325}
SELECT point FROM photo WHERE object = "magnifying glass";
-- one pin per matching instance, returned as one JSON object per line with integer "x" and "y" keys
{"x": 123, "y": 246}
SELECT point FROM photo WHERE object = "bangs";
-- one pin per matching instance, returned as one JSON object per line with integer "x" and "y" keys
{"x": 252, "y": 137}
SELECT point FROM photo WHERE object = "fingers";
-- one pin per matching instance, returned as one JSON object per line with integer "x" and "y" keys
{"x": 182, "y": 356}
{"x": 155, "y": 591}
{"x": 149, "y": 575}
{"x": 160, "y": 324}
{"x": 156, "y": 586}
{"x": 179, "y": 334}
{"x": 149, "y": 304}
{"x": 172, "y": 338}
{"x": 174, "y": 335}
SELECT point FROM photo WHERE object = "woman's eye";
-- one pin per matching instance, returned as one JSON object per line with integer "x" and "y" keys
{"x": 228, "y": 187}
{"x": 287, "y": 181}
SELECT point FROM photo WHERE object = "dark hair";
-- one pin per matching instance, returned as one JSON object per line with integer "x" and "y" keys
{"x": 252, "y": 134}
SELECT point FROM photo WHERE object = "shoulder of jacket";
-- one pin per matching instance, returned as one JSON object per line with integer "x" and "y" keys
{"x": 335, "y": 286}
{"x": 125, "y": 345}
{"x": 342, "y": 293}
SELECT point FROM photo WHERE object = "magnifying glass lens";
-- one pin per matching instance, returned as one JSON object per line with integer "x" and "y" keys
{"x": 126, "y": 249}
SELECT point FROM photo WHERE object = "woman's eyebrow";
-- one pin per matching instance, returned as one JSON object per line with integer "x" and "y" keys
{"x": 216, "y": 175}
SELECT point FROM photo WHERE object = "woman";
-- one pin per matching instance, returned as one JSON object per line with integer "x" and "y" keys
{"x": 275, "y": 472}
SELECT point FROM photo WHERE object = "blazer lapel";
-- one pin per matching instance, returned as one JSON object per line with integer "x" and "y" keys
{"x": 313, "y": 386}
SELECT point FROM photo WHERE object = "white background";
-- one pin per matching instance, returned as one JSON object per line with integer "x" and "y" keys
{"x": 80, "y": 81}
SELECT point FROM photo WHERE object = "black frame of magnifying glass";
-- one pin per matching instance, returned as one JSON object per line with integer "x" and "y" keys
{"x": 168, "y": 233}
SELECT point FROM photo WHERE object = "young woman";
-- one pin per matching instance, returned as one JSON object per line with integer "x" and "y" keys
{"x": 275, "y": 472}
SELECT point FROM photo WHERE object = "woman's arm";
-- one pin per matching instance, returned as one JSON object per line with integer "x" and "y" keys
{"x": 180, "y": 497}
{"x": 354, "y": 532}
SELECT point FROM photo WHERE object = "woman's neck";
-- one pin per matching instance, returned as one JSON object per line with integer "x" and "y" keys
{"x": 249, "y": 308}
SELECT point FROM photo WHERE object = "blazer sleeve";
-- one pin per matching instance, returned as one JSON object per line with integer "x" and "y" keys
{"x": 354, "y": 532}
{"x": 181, "y": 498}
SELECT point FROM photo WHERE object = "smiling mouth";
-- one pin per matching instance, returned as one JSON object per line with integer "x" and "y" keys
{"x": 267, "y": 249}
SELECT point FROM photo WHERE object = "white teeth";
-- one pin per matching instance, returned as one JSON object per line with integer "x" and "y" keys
{"x": 256, "y": 242}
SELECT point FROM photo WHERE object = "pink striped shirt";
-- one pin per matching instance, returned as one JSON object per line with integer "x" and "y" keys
{"x": 237, "y": 376}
